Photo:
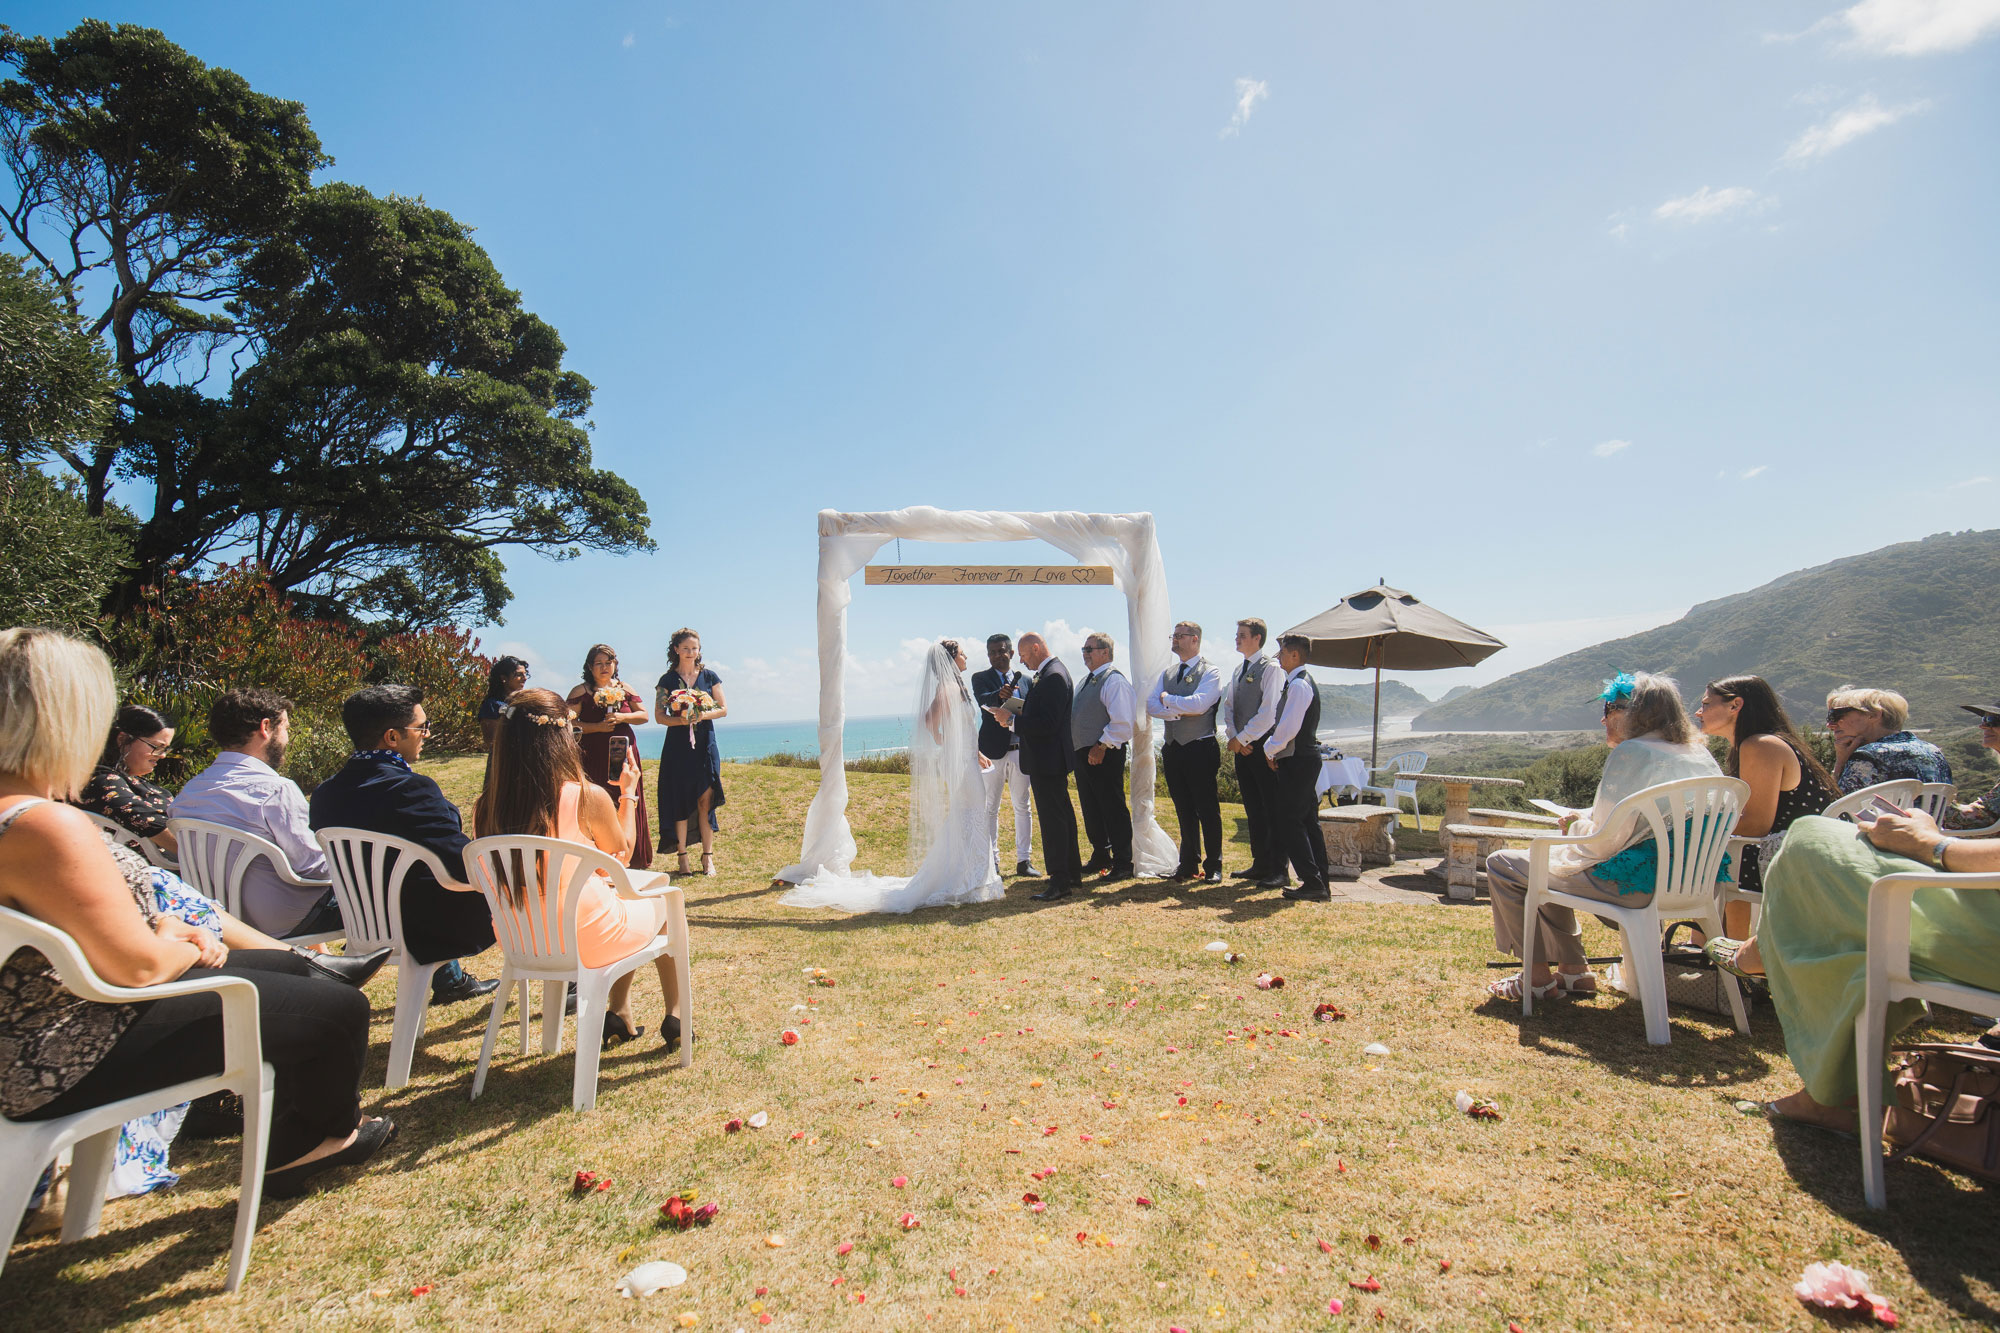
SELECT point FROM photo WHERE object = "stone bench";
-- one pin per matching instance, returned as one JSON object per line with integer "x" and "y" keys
{"x": 1470, "y": 844}
{"x": 1357, "y": 835}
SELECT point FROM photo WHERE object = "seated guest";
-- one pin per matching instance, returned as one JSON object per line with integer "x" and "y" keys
{"x": 242, "y": 789}
{"x": 1870, "y": 745}
{"x": 503, "y": 679}
{"x": 60, "y": 1054}
{"x": 1765, "y": 751}
{"x": 1815, "y": 942}
{"x": 1984, "y": 812}
{"x": 1651, "y": 742}
{"x": 535, "y": 785}
{"x": 377, "y": 790}
{"x": 119, "y": 789}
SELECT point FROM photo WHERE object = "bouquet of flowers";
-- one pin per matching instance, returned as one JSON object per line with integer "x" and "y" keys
{"x": 610, "y": 696}
{"x": 694, "y": 704}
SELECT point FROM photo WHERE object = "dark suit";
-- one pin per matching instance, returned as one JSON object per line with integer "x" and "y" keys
{"x": 1045, "y": 757}
{"x": 994, "y": 739}
{"x": 383, "y": 796}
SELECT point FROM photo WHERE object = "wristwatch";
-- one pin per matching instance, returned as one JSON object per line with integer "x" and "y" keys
{"x": 1937, "y": 852}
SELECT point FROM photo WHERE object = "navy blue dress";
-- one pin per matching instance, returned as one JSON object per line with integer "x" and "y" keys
{"x": 686, "y": 771}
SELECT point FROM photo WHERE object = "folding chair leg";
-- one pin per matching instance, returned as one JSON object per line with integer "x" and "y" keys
{"x": 413, "y": 987}
{"x": 1531, "y": 910}
{"x": 493, "y": 1021}
{"x": 1869, "y": 1032}
{"x": 256, "y": 1156}
{"x": 552, "y": 1019}
{"x": 1730, "y": 987}
{"x": 684, "y": 1003}
{"x": 590, "y": 1007}
{"x": 1649, "y": 969}
{"x": 17, "y": 1186}
{"x": 89, "y": 1174}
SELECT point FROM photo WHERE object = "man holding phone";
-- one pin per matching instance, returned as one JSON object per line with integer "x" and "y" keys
{"x": 377, "y": 790}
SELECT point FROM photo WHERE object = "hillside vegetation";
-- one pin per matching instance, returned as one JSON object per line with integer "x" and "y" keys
{"x": 1915, "y": 617}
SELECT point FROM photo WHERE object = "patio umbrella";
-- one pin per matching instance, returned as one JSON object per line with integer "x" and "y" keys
{"x": 1386, "y": 627}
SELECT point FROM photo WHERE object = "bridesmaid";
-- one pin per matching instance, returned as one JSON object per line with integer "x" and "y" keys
{"x": 690, "y": 775}
{"x": 598, "y": 725}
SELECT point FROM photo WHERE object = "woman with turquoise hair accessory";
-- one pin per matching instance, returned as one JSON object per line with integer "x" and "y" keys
{"x": 1651, "y": 742}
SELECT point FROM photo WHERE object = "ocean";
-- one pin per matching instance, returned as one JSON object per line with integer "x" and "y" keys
{"x": 754, "y": 740}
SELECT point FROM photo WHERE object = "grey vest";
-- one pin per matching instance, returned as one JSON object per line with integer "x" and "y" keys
{"x": 1199, "y": 726}
{"x": 1248, "y": 695}
{"x": 1088, "y": 717}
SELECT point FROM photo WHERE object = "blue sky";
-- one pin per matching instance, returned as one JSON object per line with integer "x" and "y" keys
{"x": 1563, "y": 317}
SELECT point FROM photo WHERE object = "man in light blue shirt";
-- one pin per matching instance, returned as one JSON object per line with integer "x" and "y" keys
{"x": 244, "y": 790}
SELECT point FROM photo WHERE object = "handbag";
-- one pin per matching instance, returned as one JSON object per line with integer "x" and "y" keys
{"x": 1946, "y": 1097}
{"x": 1693, "y": 981}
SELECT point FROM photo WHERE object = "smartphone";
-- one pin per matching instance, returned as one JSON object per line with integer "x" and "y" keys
{"x": 1877, "y": 807}
{"x": 615, "y": 755}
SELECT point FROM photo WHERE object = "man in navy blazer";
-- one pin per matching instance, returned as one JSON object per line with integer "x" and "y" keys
{"x": 377, "y": 790}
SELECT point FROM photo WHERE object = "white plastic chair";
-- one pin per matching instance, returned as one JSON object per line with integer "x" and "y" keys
{"x": 369, "y": 870}
{"x": 538, "y": 941}
{"x": 26, "y": 1146}
{"x": 125, "y": 837}
{"x": 1410, "y": 761}
{"x": 1701, "y": 815}
{"x": 1899, "y": 792}
{"x": 1889, "y": 980}
{"x": 214, "y": 857}
{"x": 1934, "y": 799}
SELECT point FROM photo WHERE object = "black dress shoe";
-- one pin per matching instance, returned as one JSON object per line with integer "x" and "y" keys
{"x": 1095, "y": 867}
{"x": 216, "y": 1116}
{"x": 1312, "y": 893}
{"x": 348, "y": 969}
{"x": 369, "y": 1139}
{"x": 1025, "y": 870}
{"x": 1212, "y": 877}
{"x": 1275, "y": 882}
{"x": 1183, "y": 874}
{"x": 1052, "y": 892}
{"x": 467, "y": 987}
{"x": 1252, "y": 872}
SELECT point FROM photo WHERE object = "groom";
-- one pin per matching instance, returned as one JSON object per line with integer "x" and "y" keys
{"x": 999, "y": 742}
{"x": 1044, "y": 727}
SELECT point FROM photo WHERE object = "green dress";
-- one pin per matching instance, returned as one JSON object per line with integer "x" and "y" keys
{"x": 1814, "y": 940}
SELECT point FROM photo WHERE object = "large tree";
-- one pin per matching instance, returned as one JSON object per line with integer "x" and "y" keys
{"x": 56, "y": 387}
{"x": 337, "y": 385}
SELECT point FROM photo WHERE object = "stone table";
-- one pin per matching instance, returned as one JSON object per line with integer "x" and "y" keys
{"x": 1459, "y": 868}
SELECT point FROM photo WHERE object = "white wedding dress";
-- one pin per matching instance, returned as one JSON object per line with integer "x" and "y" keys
{"x": 951, "y": 840}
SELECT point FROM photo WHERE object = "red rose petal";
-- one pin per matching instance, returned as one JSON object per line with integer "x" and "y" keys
{"x": 1326, "y": 1247}
{"x": 1370, "y": 1285}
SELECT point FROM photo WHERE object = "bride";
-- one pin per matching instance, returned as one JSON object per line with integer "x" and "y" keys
{"x": 951, "y": 839}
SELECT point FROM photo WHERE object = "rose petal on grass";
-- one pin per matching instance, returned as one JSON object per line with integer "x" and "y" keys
{"x": 1372, "y": 1241}
{"x": 898, "y": 1182}
{"x": 774, "y": 1241}
{"x": 1143, "y": 1201}
{"x": 1326, "y": 1247}
{"x": 1375, "y": 1048}
{"x": 424, "y": 1290}
{"x": 1217, "y": 946}
{"x": 909, "y": 1221}
{"x": 788, "y": 1037}
{"x": 1371, "y": 1284}
{"x": 758, "y": 1121}
{"x": 731, "y": 1126}
{"x": 1335, "y": 1306}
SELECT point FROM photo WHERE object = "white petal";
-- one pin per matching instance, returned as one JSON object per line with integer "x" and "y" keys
{"x": 761, "y": 1119}
{"x": 1217, "y": 946}
{"x": 1375, "y": 1048}
{"x": 649, "y": 1278}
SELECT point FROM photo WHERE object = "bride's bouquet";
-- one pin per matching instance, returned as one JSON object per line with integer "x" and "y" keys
{"x": 695, "y": 704}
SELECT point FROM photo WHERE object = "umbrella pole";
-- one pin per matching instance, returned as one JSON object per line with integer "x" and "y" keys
{"x": 1375, "y": 740}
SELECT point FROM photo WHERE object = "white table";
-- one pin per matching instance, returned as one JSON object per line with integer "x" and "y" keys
{"x": 1341, "y": 773}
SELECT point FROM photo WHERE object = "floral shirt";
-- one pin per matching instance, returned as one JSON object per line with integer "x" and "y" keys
{"x": 1982, "y": 813}
{"x": 1897, "y": 755}
{"x": 135, "y": 803}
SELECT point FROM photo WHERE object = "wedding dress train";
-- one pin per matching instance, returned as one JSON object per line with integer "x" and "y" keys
{"x": 951, "y": 840}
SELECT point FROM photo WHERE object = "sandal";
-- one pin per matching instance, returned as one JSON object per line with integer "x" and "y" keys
{"x": 1723, "y": 952}
{"x": 617, "y": 1031}
{"x": 708, "y": 863}
{"x": 1509, "y": 988}
{"x": 1581, "y": 983}
{"x": 683, "y": 868}
{"x": 1841, "y": 1127}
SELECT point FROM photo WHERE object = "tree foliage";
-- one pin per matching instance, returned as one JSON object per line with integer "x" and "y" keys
{"x": 335, "y": 385}
{"x": 59, "y": 557}
{"x": 56, "y": 388}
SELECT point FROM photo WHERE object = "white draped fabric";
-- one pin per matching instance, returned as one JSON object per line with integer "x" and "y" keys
{"x": 1125, "y": 542}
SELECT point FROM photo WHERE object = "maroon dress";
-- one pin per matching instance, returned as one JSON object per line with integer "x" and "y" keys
{"x": 596, "y": 747}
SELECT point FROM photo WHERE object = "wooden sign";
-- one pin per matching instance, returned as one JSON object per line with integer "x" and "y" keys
{"x": 990, "y": 576}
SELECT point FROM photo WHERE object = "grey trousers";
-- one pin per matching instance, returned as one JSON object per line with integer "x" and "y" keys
{"x": 1560, "y": 940}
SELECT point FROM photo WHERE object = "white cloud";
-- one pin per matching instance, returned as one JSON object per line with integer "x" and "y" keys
{"x": 1917, "y": 27}
{"x": 631, "y": 39}
{"x": 1618, "y": 229}
{"x": 1705, "y": 203}
{"x": 1757, "y": 471}
{"x": 1610, "y": 447}
{"x": 1843, "y": 127}
{"x": 1249, "y": 92}
{"x": 1971, "y": 481}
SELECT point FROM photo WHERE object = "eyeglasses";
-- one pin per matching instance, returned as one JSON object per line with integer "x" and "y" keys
{"x": 1184, "y": 634}
{"x": 419, "y": 728}
{"x": 160, "y": 749}
{"x": 1989, "y": 721}
{"x": 1609, "y": 709}
{"x": 1834, "y": 715}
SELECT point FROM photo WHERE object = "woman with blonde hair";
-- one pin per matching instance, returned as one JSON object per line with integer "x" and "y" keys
{"x": 1870, "y": 744}
{"x": 60, "y": 1054}
{"x": 535, "y": 785}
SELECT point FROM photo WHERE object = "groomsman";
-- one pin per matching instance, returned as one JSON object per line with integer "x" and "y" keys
{"x": 1292, "y": 751}
{"x": 1187, "y": 696}
{"x": 1100, "y": 726}
{"x": 993, "y": 689}
{"x": 1249, "y": 707}
{"x": 1044, "y": 727}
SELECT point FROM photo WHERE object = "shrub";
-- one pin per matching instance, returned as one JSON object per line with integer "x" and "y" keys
{"x": 898, "y": 762}
{"x": 447, "y": 666}
{"x": 1567, "y": 777}
{"x": 59, "y": 560}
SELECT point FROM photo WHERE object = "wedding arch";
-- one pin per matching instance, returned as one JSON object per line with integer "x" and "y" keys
{"x": 1125, "y": 542}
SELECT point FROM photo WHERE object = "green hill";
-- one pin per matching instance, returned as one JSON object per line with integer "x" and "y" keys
{"x": 1342, "y": 704}
{"x": 1917, "y": 618}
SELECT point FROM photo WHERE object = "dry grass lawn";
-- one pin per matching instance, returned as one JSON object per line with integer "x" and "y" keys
{"x": 964, "y": 1051}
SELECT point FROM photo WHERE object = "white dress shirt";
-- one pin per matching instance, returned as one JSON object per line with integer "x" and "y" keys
{"x": 1208, "y": 689}
{"x": 246, "y": 793}
{"x": 1271, "y": 677}
{"x": 1292, "y": 715}
{"x": 1119, "y": 700}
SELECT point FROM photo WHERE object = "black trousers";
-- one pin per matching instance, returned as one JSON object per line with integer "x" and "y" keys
{"x": 1191, "y": 768}
{"x": 439, "y": 924}
{"x": 1260, "y": 810}
{"x": 315, "y": 1036}
{"x": 1107, "y": 820}
{"x": 1298, "y": 825}
{"x": 1057, "y": 818}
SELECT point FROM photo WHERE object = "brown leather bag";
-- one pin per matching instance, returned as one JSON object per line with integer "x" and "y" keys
{"x": 1948, "y": 1107}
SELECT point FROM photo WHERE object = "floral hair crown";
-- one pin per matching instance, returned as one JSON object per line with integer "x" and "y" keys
{"x": 1619, "y": 688}
{"x": 539, "y": 719}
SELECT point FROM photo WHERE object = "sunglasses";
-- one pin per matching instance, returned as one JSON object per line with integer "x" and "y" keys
{"x": 1609, "y": 709}
{"x": 1988, "y": 720}
{"x": 1834, "y": 715}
